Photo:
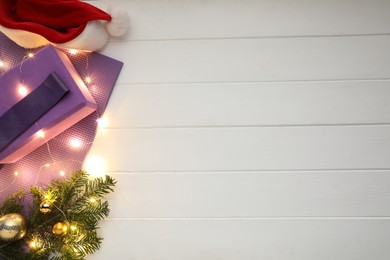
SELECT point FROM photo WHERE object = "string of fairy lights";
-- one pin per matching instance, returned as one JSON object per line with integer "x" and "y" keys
{"x": 94, "y": 165}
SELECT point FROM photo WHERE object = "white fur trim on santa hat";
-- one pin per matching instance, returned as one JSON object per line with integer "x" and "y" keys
{"x": 25, "y": 39}
{"x": 93, "y": 38}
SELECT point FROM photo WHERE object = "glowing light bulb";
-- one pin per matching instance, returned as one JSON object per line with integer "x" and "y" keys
{"x": 62, "y": 173}
{"x": 30, "y": 54}
{"x": 88, "y": 79}
{"x": 22, "y": 90}
{"x": 72, "y": 51}
{"x": 102, "y": 122}
{"x": 34, "y": 243}
{"x": 16, "y": 174}
{"x": 41, "y": 134}
{"x": 47, "y": 165}
{"x": 95, "y": 166}
{"x": 1, "y": 64}
{"x": 75, "y": 143}
{"x": 92, "y": 200}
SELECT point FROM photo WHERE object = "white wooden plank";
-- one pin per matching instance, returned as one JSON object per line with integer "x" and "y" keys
{"x": 162, "y": 19}
{"x": 248, "y": 60}
{"x": 251, "y": 194}
{"x": 220, "y": 149}
{"x": 304, "y": 103}
{"x": 245, "y": 239}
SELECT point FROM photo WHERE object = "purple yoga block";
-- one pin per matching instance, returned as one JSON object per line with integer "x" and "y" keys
{"x": 76, "y": 105}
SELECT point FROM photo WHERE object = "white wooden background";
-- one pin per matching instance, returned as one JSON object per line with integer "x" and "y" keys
{"x": 250, "y": 129}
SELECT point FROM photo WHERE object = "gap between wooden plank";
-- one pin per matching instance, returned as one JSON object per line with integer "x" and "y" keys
{"x": 243, "y": 171}
{"x": 249, "y": 218}
{"x": 247, "y": 126}
{"x": 122, "y": 84}
{"x": 253, "y": 81}
{"x": 250, "y": 37}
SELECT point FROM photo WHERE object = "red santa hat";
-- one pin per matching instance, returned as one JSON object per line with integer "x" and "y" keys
{"x": 59, "y": 21}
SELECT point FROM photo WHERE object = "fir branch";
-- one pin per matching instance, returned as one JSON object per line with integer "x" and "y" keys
{"x": 78, "y": 202}
{"x": 99, "y": 187}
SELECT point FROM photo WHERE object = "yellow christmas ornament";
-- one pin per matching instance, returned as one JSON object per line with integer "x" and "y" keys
{"x": 12, "y": 227}
{"x": 46, "y": 207}
{"x": 60, "y": 228}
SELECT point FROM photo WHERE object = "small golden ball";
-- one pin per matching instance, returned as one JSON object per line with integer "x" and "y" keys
{"x": 60, "y": 228}
{"x": 45, "y": 207}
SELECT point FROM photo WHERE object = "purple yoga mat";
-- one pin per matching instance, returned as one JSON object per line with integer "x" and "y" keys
{"x": 60, "y": 156}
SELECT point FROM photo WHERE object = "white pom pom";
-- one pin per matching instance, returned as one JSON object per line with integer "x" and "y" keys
{"x": 119, "y": 22}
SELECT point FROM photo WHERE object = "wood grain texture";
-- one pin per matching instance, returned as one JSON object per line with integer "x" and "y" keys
{"x": 251, "y": 194}
{"x": 250, "y": 104}
{"x": 175, "y": 19}
{"x": 249, "y": 60}
{"x": 236, "y": 149}
{"x": 249, "y": 130}
{"x": 245, "y": 239}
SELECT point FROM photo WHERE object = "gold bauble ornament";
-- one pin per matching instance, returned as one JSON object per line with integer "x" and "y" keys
{"x": 12, "y": 227}
{"x": 45, "y": 207}
{"x": 60, "y": 228}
